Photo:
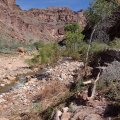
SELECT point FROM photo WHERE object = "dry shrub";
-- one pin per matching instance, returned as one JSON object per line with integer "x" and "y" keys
{"x": 51, "y": 94}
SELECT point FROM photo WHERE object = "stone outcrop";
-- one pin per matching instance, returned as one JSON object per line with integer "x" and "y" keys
{"x": 110, "y": 65}
{"x": 36, "y": 24}
{"x": 111, "y": 72}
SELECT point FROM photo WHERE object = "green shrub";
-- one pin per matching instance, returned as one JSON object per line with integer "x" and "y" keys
{"x": 100, "y": 9}
{"x": 36, "y": 108}
{"x": 79, "y": 86}
{"x": 83, "y": 49}
{"x": 98, "y": 47}
{"x": 115, "y": 43}
{"x": 73, "y": 54}
{"x": 72, "y": 27}
{"x": 73, "y": 37}
{"x": 48, "y": 113}
{"x": 38, "y": 45}
{"x": 47, "y": 54}
{"x": 109, "y": 89}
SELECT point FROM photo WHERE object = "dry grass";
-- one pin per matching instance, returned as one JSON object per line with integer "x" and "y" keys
{"x": 51, "y": 94}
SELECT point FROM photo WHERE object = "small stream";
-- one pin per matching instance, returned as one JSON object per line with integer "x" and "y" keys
{"x": 16, "y": 84}
{"x": 21, "y": 80}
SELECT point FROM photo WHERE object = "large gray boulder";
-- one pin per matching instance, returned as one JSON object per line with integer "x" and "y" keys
{"x": 112, "y": 72}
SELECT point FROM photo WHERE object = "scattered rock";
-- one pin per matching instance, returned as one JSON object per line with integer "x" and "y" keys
{"x": 93, "y": 117}
{"x": 57, "y": 115}
{"x": 65, "y": 109}
{"x": 66, "y": 116}
{"x": 87, "y": 113}
{"x": 2, "y": 100}
{"x": 21, "y": 50}
{"x": 11, "y": 66}
{"x": 46, "y": 88}
{"x": 10, "y": 77}
{"x": 4, "y": 119}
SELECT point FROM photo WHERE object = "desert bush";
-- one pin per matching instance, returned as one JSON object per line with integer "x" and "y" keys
{"x": 72, "y": 27}
{"x": 47, "y": 54}
{"x": 98, "y": 47}
{"x": 38, "y": 45}
{"x": 79, "y": 86}
{"x": 115, "y": 43}
{"x": 6, "y": 46}
{"x": 48, "y": 113}
{"x": 36, "y": 108}
{"x": 74, "y": 38}
{"x": 109, "y": 89}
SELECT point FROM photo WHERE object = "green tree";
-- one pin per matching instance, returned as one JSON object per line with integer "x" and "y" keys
{"x": 99, "y": 9}
{"x": 72, "y": 27}
{"x": 74, "y": 39}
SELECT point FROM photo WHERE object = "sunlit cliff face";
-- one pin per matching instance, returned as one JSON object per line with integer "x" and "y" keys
{"x": 36, "y": 24}
{"x": 8, "y": 3}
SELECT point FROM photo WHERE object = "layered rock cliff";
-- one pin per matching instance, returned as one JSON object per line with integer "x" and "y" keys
{"x": 36, "y": 24}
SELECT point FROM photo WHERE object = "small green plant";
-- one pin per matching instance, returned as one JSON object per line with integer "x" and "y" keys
{"x": 110, "y": 89}
{"x": 97, "y": 47}
{"x": 48, "y": 113}
{"x": 82, "y": 50}
{"x": 115, "y": 43}
{"x": 8, "y": 46}
{"x": 47, "y": 54}
{"x": 36, "y": 108}
{"x": 77, "y": 87}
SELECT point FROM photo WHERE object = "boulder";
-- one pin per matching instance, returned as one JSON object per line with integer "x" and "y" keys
{"x": 21, "y": 50}
{"x": 112, "y": 72}
{"x": 93, "y": 117}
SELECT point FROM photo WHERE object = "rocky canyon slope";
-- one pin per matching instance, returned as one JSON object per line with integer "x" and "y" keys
{"x": 35, "y": 24}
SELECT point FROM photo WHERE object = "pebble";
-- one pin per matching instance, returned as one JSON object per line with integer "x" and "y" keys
{"x": 4, "y": 119}
{"x": 2, "y": 100}
{"x": 2, "y": 85}
{"x": 62, "y": 72}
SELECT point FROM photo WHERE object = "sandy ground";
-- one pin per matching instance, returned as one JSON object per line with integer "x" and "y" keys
{"x": 12, "y": 65}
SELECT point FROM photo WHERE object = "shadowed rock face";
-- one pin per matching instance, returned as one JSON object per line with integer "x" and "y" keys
{"x": 36, "y": 24}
